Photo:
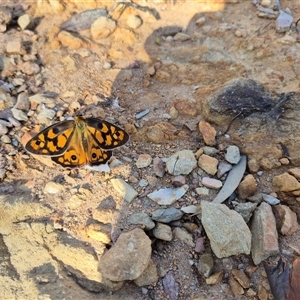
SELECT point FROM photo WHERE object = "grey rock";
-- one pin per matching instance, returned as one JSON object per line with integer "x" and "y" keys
{"x": 245, "y": 210}
{"x": 257, "y": 198}
{"x": 3, "y": 130}
{"x": 283, "y": 22}
{"x": 233, "y": 154}
{"x": 124, "y": 189}
{"x": 168, "y": 196}
{"x": 264, "y": 12}
{"x": 211, "y": 151}
{"x": 270, "y": 199}
{"x": 19, "y": 115}
{"x": 83, "y": 20}
{"x": 184, "y": 236}
{"x": 143, "y": 183}
{"x": 5, "y": 139}
{"x": 142, "y": 219}
{"x": 191, "y": 209}
{"x": 264, "y": 234}
{"x": 206, "y": 264}
{"x": 142, "y": 114}
{"x": 226, "y": 229}
{"x": 149, "y": 276}
{"x": 144, "y": 160}
{"x": 158, "y": 167}
{"x": 45, "y": 115}
{"x": 166, "y": 215}
{"x": 181, "y": 163}
{"x": 223, "y": 168}
{"x": 23, "y": 102}
{"x": 182, "y": 37}
{"x": 163, "y": 232}
{"x": 42, "y": 98}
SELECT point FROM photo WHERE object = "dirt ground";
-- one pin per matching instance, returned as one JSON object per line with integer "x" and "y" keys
{"x": 232, "y": 43}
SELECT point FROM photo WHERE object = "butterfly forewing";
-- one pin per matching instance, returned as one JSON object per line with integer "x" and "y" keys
{"x": 52, "y": 141}
{"x": 107, "y": 135}
{"x": 78, "y": 142}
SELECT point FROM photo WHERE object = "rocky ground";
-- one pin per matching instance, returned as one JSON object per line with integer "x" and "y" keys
{"x": 209, "y": 95}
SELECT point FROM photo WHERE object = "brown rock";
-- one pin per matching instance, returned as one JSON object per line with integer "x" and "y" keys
{"x": 162, "y": 76}
{"x": 30, "y": 68}
{"x": 208, "y": 132}
{"x": 98, "y": 231}
{"x": 143, "y": 161}
{"x": 208, "y": 164}
{"x": 160, "y": 132}
{"x": 262, "y": 293}
{"x": 241, "y": 278}
{"x": 284, "y": 161}
{"x": 163, "y": 232}
{"x": 235, "y": 287}
{"x": 128, "y": 258}
{"x": 173, "y": 112}
{"x": 15, "y": 47}
{"x": 286, "y": 219}
{"x": 253, "y": 165}
{"x": 149, "y": 276}
{"x": 69, "y": 40}
{"x": 178, "y": 181}
{"x": 205, "y": 264}
{"x": 247, "y": 187}
{"x": 215, "y": 278}
{"x": 185, "y": 107}
{"x": 266, "y": 164}
{"x": 295, "y": 172}
{"x": 250, "y": 270}
{"x": 102, "y": 28}
{"x": 286, "y": 183}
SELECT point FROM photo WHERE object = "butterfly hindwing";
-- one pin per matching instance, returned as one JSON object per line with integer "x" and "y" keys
{"x": 96, "y": 155}
{"x": 53, "y": 140}
{"x": 75, "y": 143}
{"x": 107, "y": 135}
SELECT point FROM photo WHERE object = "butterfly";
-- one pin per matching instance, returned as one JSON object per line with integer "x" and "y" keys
{"x": 78, "y": 142}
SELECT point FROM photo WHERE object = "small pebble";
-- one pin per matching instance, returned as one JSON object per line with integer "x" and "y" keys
{"x": 211, "y": 183}
{"x": 134, "y": 21}
{"x": 178, "y": 181}
{"x": 191, "y": 209}
{"x": 53, "y": 187}
{"x": 270, "y": 199}
{"x": 233, "y": 154}
{"x": 144, "y": 160}
{"x": 3, "y": 129}
{"x": 142, "y": 114}
{"x": 107, "y": 65}
{"x": 5, "y": 139}
{"x": 200, "y": 22}
{"x": 143, "y": 183}
{"x": 202, "y": 191}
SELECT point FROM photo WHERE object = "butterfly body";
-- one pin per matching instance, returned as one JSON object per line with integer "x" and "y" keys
{"x": 75, "y": 143}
